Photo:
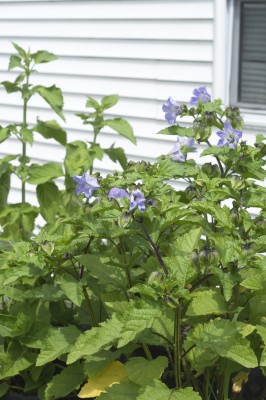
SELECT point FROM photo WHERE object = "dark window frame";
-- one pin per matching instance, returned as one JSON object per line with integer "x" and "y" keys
{"x": 236, "y": 58}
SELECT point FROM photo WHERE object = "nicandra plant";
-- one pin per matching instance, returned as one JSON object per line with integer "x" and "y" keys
{"x": 147, "y": 292}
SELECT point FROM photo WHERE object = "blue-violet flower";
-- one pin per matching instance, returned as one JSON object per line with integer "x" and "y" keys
{"x": 229, "y": 136}
{"x": 86, "y": 184}
{"x": 177, "y": 149}
{"x": 137, "y": 199}
{"x": 117, "y": 193}
{"x": 200, "y": 94}
{"x": 172, "y": 110}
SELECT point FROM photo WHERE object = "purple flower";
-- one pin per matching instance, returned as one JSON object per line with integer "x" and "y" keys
{"x": 86, "y": 184}
{"x": 137, "y": 200}
{"x": 200, "y": 94}
{"x": 177, "y": 149}
{"x": 117, "y": 193}
{"x": 229, "y": 136}
{"x": 172, "y": 110}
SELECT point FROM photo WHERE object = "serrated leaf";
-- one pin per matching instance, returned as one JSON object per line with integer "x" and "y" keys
{"x": 177, "y": 130}
{"x": 65, "y": 383}
{"x": 221, "y": 214}
{"x": 169, "y": 169}
{"x": 43, "y": 173}
{"x": 53, "y": 96}
{"x": 217, "y": 151}
{"x": 91, "y": 102}
{"x": 96, "y": 339}
{"x": 10, "y": 87}
{"x": 224, "y": 338}
{"x": 117, "y": 154}
{"x": 20, "y": 50}
{"x": 122, "y": 127}
{"x": 212, "y": 106}
{"x": 49, "y": 198}
{"x": 136, "y": 322}
{"x": 125, "y": 390}
{"x": 27, "y": 135}
{"x": 257, "y": 281}
{"x": 43, "y": 56}
{"x": 51, "y": 130}
{"x": 109, "y": 101}
{"x": 113, "y": 374}
{"x": 207, "y": 302}
{"x": 141, "y": 371}
{"x": 77, "y": 161}
{"x": 57, "y": 342}
{"x": 17, "y": 359}
{"x": 72, "y": 289}
{"x": 4, "y": 134}
{"x": 14, "y": 62}
{"x": 159, "y": 391}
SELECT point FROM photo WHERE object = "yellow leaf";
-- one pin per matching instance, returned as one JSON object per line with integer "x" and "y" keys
{"x": 239, "y": 380}
{"x": 114, "y": 373}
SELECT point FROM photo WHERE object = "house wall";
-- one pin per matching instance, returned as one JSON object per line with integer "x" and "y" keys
{"x": 143, "y": 50}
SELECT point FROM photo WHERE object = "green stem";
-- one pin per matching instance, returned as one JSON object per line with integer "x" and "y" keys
{"x": 147, "y": 351}
{"x": 123, "y": 250}
{"x": 155, "y": 249}
{"x": 218, "y": 159}
{"x": 177, "y": 347}
{"x": 87, "y": 299}
{"x": 24, "y": 149}
{"x": 95, "y": 133}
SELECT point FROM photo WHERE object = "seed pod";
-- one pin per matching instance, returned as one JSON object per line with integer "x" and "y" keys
{"x": 124, "y": 219}
{"x": 237, "y": 183}
{"x": 203, "y": 256}
{"x": 209, "y": 118}
{"x": 213, "y": 256}
{"x": 232, "y": 112}
{"x": 155, "y": 277}
{"x": 236, "y": 122}
{"x": 191, "y": 192}
{"x": 201, "y": 130}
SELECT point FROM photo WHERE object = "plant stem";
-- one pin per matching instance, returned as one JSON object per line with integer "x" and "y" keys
{"x": 95, "y": 133}
{"x": 177, "y": 347}
{"x": 155, "y": 249}
{"x": 147, "y": 351}
{"x": 123, "y": 250}
{"x": 87, "y": 299}
{"x": 217, "y": 158}
{"x": 24, "y": 149}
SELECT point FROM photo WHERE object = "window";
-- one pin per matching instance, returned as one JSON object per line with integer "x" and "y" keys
{"x": 248, "y": 78}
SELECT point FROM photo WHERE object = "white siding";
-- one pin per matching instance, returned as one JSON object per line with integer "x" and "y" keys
{"x": 142, "y": 50}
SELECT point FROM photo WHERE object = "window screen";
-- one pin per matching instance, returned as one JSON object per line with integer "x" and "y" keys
{"x": 252, "y": 53}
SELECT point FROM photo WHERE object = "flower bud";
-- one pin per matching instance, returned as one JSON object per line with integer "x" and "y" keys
{"x": 213, "y": 256}
{"x": 155, "y": 277}
{"x": 232, "y": 112}
{"x": 203, "y": 256}
{"x": 248, "y": 248}
{"x": 191, "y": 192}
{"x": 201, "y": 130}
{"x": 209, "y": 118}
{"x": 235, "y": 215}
{"x": 124, "y": 219}
{"x": 236, "y": 122}
{"x": 212, "y": 170}
{"x": 237, "y": 183}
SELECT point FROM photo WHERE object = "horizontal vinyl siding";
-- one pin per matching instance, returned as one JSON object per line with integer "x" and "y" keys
{"x": 142, "y": 50}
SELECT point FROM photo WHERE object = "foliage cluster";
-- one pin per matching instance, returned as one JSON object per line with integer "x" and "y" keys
{"x": 142, "y": 291}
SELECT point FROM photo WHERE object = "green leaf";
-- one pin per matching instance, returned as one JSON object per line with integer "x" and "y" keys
{"x": 4, "y": 387}
{"x": 53, "y": 96}
{"x": 159, "y": 391}
{"x": 141, "y": 371}
{"x": 43, "y": 56}
{"x": 256, "y": 281}
{"x": 10, "y": 87}
{"x": 14, "y": 62}
{"x": 109, "y": 101}
{"x": 122, "y": 127}
{"x": 49, "y": 199}
{"x": 207, "y": 302}
{"x": 117, "y": 154}
{"x": 225, "y": 338}
{"x": 169, "y": 169}
{"x": 20, "y": 50}
{"x": 125, "y": 390}
{"x": 96, "y": 339}
{"x": 137, "y": 321}
{"x": 43, "y": 173}
{"x": 27, "y": 135}
{"x": 221, "y": 214}
{"x": 66, "y": 382}
{"x": 212, "y": 106}
{"x": 17, "y": 359}
{"x": 77, "y": 161}
{"x": 217, "y": 151}
{"x": 72, "y": 288}
{"x": 91, "y": 102}
{"x": 177, "y": 130}
{"x": 51, "y": 130}
{"x": 4, "y": 134}
{"x": 57, "y": 342}
{"x": 260, "y": 138}
{"x": 5, "y": 187}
